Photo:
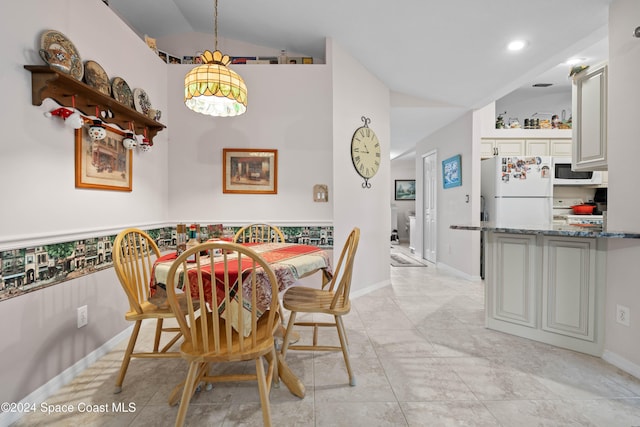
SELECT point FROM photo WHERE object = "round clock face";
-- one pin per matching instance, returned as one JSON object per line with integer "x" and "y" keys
{"x": 365, "y": 152}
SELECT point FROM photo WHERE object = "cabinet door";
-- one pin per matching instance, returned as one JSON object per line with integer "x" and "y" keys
{"x": 512, "y": 275}
{"x": 510, "y": 147}
{"x": 486, "y": 148}
{"x": 537, "y": 147}
{"x": 561, "y": 147}
{"x": 568, "y": 286}
{"x": 589, "y": 102}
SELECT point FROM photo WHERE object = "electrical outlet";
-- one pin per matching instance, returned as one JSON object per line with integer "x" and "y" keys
{"x": 83, "y": 316}
{"x": 622, "y": 315}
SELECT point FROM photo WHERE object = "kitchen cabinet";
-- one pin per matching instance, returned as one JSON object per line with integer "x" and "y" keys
{"x": 589, "y": 104}
{"x": 513, "y": 291}
{"x": 501, "y": 147}
{"x": 559, "y": 147}
{"x": 568, "y": 286}
{"x": 546, "y": 288}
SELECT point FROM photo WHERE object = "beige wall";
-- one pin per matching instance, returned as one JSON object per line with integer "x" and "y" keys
{"x": 622, "y": 346}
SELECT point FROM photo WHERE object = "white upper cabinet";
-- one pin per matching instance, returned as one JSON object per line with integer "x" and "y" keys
{"x": 589, "y": 105}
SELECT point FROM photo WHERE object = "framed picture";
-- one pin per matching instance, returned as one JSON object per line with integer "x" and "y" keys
{"x": 271, "y": 59}
{"x": 249, "y": 171}
{"x": 452, "y": 172}
{"x": 163, "y": 55}
{"x": 242, "y": 59}
{"x": 294, "y": 60}
{"x": 405, "y": 189}
{"x": 104, "y": 164}
{"x": 188, "y": 59}
{"x": 174, "y": 59}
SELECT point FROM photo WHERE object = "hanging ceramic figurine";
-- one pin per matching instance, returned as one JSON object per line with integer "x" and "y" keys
{"x": 129, "y": 142}
{"x": 97, "y": 131}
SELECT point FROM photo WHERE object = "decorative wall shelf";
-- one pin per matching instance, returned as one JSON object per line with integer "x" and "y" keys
{"x": 49, "y": 83}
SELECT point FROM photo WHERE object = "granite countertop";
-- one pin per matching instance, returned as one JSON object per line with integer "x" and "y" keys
{"x": 551, "y": 230}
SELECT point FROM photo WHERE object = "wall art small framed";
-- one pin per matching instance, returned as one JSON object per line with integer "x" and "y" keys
{"x": 249, "y": 171}
{"x": 405, "y": 189}
{"x": 103, "y": 164}
{"x": 452, "y": 172}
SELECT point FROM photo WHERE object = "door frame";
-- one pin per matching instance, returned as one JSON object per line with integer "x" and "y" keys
{"x": 423, "y": 229}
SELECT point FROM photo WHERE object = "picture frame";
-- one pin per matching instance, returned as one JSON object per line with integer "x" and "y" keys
{"x": 405, "y": 189}
{"x": 249, "y": 171}
{"x": 163, "y": 55}
{"x": 104, "y": 164}
{"x": 271, "y": 59}
{"x": 452, "y": 172}
{"x": 242, "y": 59}
{"x": 187, "y": 59}
{"x": 174, "y": 59}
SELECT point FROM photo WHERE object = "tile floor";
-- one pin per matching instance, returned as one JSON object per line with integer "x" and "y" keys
{"x": 421, "y": 355}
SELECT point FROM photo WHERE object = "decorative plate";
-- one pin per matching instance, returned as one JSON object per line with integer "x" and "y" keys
{"x": 96, "y": 77}
{"x": 141, "y": 101}
{"x": 52, "y": 41}
{"x": 121, "y": 91}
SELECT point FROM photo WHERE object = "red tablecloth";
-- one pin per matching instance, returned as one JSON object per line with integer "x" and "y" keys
{"x": 288, "y": 261}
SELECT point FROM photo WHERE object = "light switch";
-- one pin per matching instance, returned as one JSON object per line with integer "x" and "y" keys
{"x": 320, "y": 193}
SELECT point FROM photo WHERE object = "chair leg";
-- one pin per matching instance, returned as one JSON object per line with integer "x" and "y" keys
{"x": 264, "y": 393}
{"x": 187, "y": 392}
{"x": 285, "y": 340}
{"x": 342, "y": 334}
{"x": 127, "y": 356}
{"x": 156, "y": 341}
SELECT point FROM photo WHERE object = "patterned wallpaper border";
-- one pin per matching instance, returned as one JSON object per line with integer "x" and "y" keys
{"x": 33, "y": 268}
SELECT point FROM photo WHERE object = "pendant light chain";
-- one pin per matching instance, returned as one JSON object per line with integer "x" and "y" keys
{"x": 215, "y": 24}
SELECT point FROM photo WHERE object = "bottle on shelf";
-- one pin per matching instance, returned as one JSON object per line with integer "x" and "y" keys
{"x": 283, "y": 59}
{"x": 181, "y": 238}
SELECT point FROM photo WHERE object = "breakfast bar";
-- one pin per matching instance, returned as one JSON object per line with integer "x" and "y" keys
{"x": 547, "y": 283}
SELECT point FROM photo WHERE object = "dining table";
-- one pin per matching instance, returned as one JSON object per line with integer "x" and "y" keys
{"x": 290, "y": 262}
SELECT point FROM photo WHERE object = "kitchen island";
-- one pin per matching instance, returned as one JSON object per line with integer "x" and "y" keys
{"x": 547, "y": 283}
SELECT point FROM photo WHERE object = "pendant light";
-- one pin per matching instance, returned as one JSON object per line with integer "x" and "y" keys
{"x": 212, "y": 88}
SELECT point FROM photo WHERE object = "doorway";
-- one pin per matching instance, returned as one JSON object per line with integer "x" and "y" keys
{"x": 429, "y": 192}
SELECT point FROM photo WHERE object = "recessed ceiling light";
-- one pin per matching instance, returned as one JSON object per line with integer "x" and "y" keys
{"x": 516, "y": 45}
{"x": 574, "y": 61}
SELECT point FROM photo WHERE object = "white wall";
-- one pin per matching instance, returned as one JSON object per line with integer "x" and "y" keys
{"x": 456, "y": 249}
{"x": 621, "y": 343}
{"x": 40, "y": 201}
{"x": 285, "y": 113}
{"x": 357, "y": 93}
{"x": 403, "y": 168}
{"x": 180, "y": 179}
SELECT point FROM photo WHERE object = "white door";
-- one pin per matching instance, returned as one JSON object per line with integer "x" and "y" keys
{"x": 429, "y": 191}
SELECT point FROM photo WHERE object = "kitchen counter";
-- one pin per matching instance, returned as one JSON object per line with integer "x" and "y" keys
{"x": 551, "y": 230}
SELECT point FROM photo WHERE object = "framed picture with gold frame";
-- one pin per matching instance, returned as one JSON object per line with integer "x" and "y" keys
{"x": 249, "y": 171}
{"x": 104, "y": 164}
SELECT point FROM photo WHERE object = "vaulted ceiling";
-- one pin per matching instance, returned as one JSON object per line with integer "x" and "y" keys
{"x": 439, "y": 58}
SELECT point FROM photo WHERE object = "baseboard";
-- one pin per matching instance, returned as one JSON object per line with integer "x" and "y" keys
{"x": 369, "y": 289}
{"x": 458, "y": 273}
{"x": 621, "y": 363}
{"x": 56, "y": 383}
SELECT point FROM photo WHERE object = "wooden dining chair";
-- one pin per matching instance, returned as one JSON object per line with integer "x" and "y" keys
{"x": 332, "y": 300}
{"x": 211, "y": 334}
{"x": 134, "y": 252}
{"x": 260, "y": 233}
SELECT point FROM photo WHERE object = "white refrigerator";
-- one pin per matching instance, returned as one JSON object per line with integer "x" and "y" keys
{"x": 518, "y": 191}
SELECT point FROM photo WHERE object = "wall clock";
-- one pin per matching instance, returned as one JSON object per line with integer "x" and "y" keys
{"x": 365, "y": 152}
